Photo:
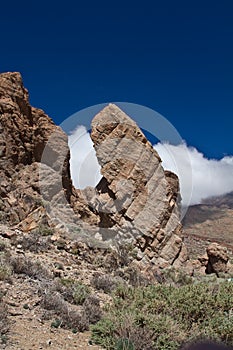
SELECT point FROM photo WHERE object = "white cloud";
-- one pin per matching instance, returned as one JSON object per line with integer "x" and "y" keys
{"x": 199, "y": 177}
{"x": 85, "y": 170}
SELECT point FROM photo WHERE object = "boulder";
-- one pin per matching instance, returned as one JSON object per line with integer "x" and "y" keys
{"x": 218, "y": 259}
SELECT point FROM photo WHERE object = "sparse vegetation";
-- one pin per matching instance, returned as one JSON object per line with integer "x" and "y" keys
{"x": 4, "y": 321}
{"x": 69, "y": 315}
{"x": 174, "y": 277}
{"x": 3, "y": 245}
{"x": 92, "y": 310}
{"x": 106, "y": 282}
{"x": 45, "y": 230}
{"x": 165, "y": 317}
{"x": 70, "y": 302}
{"x": 132, "y": 276}
{"x": 34, "y": 242}
{"x": 5, "y": 268}
{"x": 29, "y": 267}
{"x": 71, "y": 290}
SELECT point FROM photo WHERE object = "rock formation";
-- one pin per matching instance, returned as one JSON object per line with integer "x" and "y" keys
{"x": 24, "y": 132}
{"x": 136, "y": 201}
{"x": 218, "y": 259}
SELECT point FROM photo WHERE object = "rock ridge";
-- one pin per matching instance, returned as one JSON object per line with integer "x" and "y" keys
{"x": 136, "y": 202}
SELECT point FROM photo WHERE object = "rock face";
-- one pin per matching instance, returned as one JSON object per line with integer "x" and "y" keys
{"x": 135, "y": 202}
{"x": 24, "y": 132}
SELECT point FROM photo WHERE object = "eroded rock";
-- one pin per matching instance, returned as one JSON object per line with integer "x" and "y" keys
{"x": 218, "y": 259}
{"x": 136, "y": 202}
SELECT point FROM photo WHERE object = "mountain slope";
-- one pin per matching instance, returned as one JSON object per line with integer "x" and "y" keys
{"x": 211, "y": 221}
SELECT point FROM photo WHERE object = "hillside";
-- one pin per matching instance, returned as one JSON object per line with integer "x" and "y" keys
{"x": 211, "y": 221}
{"x": 99, "y": 268}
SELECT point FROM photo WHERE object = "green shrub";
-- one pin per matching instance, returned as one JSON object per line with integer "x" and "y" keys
{"x": 56, "y": 323}
{"x": 165, "y": 316}
{"x": 80, "y": 293}
{"x": 45, "y": 230}
{"x": 124, "y": 344}
{"x": 71, "y": 290}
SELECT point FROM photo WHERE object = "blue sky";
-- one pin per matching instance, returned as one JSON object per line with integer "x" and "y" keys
{"x": 175, "y": 57}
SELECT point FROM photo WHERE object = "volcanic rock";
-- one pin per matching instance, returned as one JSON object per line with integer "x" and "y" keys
{"x": 218, "y": 259}
{"x": 24, "y": 132}
{"x": 136, "y": 202}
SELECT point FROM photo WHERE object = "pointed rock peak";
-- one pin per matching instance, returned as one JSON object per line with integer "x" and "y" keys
{"x": 112, "y": 113}
{"x": 12, "y": 75}
{"x": 113, "y": 123}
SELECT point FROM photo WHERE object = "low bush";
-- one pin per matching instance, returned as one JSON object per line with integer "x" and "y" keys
{"x": 68, "y": 315}
{"x": 133, "y": 276}
{"x": 5, "y": 268}
{"x": 91, "y": 308}
{"x": 45, "y": 230}
{"x": 71, "y": 290}
{"x": 165, "y": 316}
{"x": 70, "y": 302}
{"x": 80, "y": 293}
{"x": 3, "y": 245}
{"x": 4, "y": 321}
{"x": 106, "y": 282}
{"x": 34, "y": 242}
{"x": 29, "y": 267}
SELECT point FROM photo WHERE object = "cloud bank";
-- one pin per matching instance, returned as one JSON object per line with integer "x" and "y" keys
{"x": 199, "y": 177}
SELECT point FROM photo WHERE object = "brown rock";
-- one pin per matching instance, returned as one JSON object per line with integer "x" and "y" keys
{"x": 24, "y": 132}
{"x": 34, "y": 220}
{"x": 135, "y": 202}
{"x": 218, "y": 258}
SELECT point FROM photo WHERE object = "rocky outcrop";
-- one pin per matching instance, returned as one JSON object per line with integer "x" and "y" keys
{"x": 135, "y": 203}
{"x": 218, "y": 259}
{"x": 24, "y": 132}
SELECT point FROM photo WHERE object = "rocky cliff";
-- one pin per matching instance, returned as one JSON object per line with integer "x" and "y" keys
{"x": 24, "y": 132}
{"x": 135, "y": 202}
